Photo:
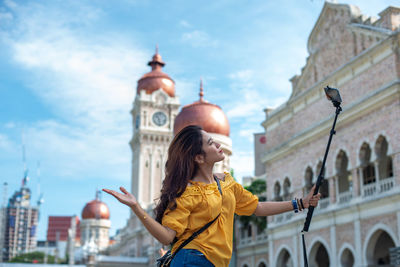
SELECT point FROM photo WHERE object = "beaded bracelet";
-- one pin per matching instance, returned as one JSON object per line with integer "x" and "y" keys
{"x": 301, "y": 202}
{"x": 294, "y": 204}
{"x": 298, "y": 204}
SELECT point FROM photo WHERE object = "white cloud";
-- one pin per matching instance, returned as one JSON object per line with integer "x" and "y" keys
{"x": 10, "y": 4}
{"x": 242, "y": 75}
{"x": 87, "y": 81}
{"x": 6, "y": 144}
{"x": 185, "y": 24}
{"x": 250, "y": 99}
{"x": 76, "y": 152}
{"x": 6, "y": 16}
{"x": 198, "y": 38}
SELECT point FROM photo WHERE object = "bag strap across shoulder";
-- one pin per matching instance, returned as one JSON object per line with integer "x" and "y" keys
{"x": 195, "y": 234}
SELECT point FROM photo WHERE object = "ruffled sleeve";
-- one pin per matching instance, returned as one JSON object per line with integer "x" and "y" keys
{"x": 246, "y": 202}
{"x": 178, "y": 218}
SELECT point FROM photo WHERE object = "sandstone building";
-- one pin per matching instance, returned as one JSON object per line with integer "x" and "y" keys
{"x": 358, "y": 219}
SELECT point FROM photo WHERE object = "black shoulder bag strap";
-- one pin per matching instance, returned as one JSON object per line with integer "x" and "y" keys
{"x": 195, "y": 234}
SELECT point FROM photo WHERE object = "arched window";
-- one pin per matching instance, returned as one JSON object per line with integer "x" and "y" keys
{"x": 324, "y": 188}
{"x": 347, "y": 258}
{"x": 378, "y": 249}
{"x": 286, "y": 189}
{"x": 385, "y": 165}
{"x": 308, "y": 180}
{"x": 344, "y": 177}
{"x": 319, "y": 255}
{"x": 284, "y": 259}
{"x": 277, "y": 191}
{"x": 246, "y": 231}
{"x": 368, "y": 169}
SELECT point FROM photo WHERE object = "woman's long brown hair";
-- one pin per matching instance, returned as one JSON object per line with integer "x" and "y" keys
{"x": 180, "y": 167}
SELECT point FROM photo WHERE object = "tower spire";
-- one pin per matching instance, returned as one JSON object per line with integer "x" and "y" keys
{"x": 156, "y": 63}
{"x": 201, "y": 94}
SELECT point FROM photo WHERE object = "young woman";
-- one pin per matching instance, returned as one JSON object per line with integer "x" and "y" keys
{"x": 190, "y": 198}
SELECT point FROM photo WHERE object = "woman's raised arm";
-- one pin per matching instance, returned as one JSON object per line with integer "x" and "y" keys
{"x": 277, "y": 207}
{"x": 163, "y": 234}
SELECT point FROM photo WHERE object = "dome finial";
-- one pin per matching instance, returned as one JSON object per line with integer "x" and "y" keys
{"x": 201, "y": 94}
{"x": 156, "y": 63}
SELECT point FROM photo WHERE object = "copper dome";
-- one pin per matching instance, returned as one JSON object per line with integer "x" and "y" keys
{"x": 208, "y": 116}
{"x": 96, "y": 209}
{"x": 156, "y": 79}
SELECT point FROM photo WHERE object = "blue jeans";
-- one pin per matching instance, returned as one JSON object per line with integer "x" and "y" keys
{"x": 190, "y": 257}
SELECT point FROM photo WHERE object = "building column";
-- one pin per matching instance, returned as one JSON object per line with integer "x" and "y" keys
{"x": 270, "y": 250}
{"x": 332, "y": 190}
{"x": 334, "y": 259}
{"x": 295, "y": 247}
{"x": 337, "y": 188}
{"x": 398, "y": 225}
{"x": 356, "y": 182}
{"x": 376, "y": 165}
{"x": 151, "y": 179}
{"x": 360, "y": 180}
{"x": 357, "y": 241}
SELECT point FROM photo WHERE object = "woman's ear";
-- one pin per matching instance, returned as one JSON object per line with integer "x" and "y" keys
{"x": 199, "y": 159}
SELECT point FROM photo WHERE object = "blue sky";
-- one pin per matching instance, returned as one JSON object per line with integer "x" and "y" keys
{"x": 68, "y": 73}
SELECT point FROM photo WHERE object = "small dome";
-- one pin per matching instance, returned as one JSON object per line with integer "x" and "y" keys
{"x": 156, "y": 79}
{"x": 208, "y": 116}
{"x": 95, "y": 209}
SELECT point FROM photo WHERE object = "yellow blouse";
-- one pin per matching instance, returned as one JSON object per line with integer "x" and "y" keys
{"x": 201, "y": 203}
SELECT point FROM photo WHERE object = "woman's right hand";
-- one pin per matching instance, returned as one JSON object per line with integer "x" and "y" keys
{"x": 125, "y": 198}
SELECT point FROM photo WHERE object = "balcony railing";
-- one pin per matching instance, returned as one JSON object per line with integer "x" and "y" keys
{"x": 279, "y": 218}
{"x": 369, "y": 190}
{"x": 345, "y": 197}
{"x": 261, "y": 236}
{"x": 323, "y": 203}
{"x": 246, "y": 240}
{"x": 384, "y": 185}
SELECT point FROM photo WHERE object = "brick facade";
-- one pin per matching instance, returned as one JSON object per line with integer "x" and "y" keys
{"x": 360, "y": 56}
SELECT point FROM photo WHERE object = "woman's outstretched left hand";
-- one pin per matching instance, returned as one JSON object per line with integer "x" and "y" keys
{"x": 311, "y": 199}
{"x": 125, "y": 198}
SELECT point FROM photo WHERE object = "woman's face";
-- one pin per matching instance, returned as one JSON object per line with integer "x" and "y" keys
{"x": 213, "y": 151}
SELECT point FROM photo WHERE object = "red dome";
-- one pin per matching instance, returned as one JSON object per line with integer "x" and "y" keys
{"x": 95, "y": 209}
{"x": 208, "y": 116}
{"x": 156, "y": 79}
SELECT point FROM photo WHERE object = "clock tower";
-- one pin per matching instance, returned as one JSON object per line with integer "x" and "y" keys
{"x": 154, "y": 110}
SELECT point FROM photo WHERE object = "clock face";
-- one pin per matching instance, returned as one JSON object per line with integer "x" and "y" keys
{"x": 159, "y": 118}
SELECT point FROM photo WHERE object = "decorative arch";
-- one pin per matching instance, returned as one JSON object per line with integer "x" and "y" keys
{"x": 360, "y": 144}
{"x": 262, "y": 263}
{"x": 308, "y": 179}
{"x": 284, "y": 257}
{"x": 324, "y": 188}
{"x": 277, "y": 191}
{"x": 385, "y": 162}
{"x": 332, "y": 164}
{"x": 318, "y": 251}
{"x": 245, "y": 265}
{"x": 342, "y": 172}
{"x": 388, "y": 139}
{"x": 372, "y": 238}
{"x": 287, "y": 189}
{"x": 367, "y": 167}
{"x": 344, "y": 255}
